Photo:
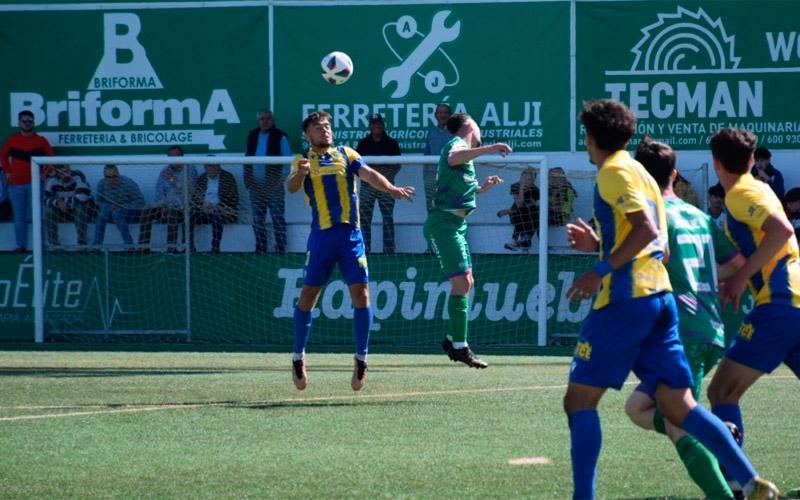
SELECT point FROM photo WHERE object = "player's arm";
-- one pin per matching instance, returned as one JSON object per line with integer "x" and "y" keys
{"x": 300, "y": 168}
{"x": 489, "y": 183}
{"x": 459, "y": 156}
{"x": 643, "y": 231}
{"x": 777, "y": 231}
{"x": 381, "y": 183}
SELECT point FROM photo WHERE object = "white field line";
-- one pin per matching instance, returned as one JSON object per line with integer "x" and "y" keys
{"x": 244, "y": 404}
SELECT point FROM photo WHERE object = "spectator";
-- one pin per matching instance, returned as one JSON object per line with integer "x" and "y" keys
{"x": 561, "y": 197}
{"x": 524, "y": 211}
{"x": 793, "y": 209}
{"x": 5, "y": 202}
{"x": 437, "y": 137}
{"x": 119, "y": 200}
{"x": 170, "y": 200}
{"x": 15, "y": 157}
{"x": 265, "y": 182}
{"x": 765, "y": 171}
{"x": 378, "y": 143}
{"x": 215, "y": 202}
{"x": 716, "y": 204}
{"x": 683, "y": 189}
{"x": 67, "y": 197}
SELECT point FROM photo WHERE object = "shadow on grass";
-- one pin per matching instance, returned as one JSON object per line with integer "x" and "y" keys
{"x": 107, "y": 372}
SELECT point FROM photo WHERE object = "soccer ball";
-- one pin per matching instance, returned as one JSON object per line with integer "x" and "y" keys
{"x": 337, "y": 67}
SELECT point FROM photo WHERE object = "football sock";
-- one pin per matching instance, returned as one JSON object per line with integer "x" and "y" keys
{"x": 715, "y": 436}
{"x": 733, "y": 414}
{"x": 658, "y": 422}
{"x": 458, "y": 309}
{"x": 703, "y": 468}
{"x": 302, "y": 328}
{"x": 362, "y": 321}
{"x": 587, "y": 438}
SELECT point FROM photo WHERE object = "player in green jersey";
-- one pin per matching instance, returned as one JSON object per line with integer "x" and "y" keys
{"x": 697, "y": 247}
{"x": 446, "y": 225}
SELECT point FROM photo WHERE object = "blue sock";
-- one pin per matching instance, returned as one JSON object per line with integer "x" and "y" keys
{"x": 587, "y": 438}
{"x": 714, "y": 435}
{"x": 302, "y": 329}
{"x": 731, "y": 413}
{"x": 362, "y": 321}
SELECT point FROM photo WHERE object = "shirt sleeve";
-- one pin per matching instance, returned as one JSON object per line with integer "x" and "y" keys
{"x": 285, "y": 149}
{"x": 748, "y": 206}
{"x": 355, "y": 162}
{"x": 618, "y": 189}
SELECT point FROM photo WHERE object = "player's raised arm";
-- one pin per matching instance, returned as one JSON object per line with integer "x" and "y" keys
{"x": 459, "y": 156}
{"x": 381, "y": 183}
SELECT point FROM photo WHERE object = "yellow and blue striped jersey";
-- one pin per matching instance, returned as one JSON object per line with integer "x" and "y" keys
{"x": 624, "y": 187}
{"x": 748, "y": 203}
{"x": 330, "y": 186}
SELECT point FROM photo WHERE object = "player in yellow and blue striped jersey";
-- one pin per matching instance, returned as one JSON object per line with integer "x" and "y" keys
{"x": 634, "y": 323}
{"x": 327, "y": 176}
{"x": 757, "y": 224}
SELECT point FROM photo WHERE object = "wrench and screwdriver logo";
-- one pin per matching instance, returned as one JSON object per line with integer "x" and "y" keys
{"x": 429, "y": 45}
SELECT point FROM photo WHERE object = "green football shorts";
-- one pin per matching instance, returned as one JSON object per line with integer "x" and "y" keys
{"x": 702, "y": 358}
{"x": 447, "y": 236}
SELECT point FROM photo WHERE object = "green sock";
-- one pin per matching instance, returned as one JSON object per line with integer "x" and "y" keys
{"x": 658, "y": 422}
{"x": 458, "y": 309}
{"x": 703, "y": 468}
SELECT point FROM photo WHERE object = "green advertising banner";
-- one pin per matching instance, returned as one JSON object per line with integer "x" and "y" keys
{"x": 507, "y": 64}
{"x": 249, "y": 299}
{"x": 689, "y": 69}
{"x": 135, "y": 81}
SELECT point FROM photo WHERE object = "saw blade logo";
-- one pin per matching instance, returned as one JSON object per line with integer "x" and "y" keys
{"x": 684, "y": 42}
{"x": 416, "y": 62}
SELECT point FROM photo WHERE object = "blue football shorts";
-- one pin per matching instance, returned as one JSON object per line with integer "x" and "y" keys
{"x": 768, "y": 337}
{"x": 636, "y": 334}
{"x": 341, "y": 245}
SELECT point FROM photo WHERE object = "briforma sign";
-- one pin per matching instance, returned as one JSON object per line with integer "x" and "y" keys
{"x": 691, "y": 68}
{"x": 136, "y": 81}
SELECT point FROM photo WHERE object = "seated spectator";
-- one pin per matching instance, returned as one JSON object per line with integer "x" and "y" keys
{"x": 765, "y": 171}
{"x": 169, "y": 201}
{"x": 683, "y": 189}
{"x": 793, "y": 210}
{"x": 120, "y": 200}
{"x": 524, "y": 211}
{"x": 6, "y": 214}
{"x": 215, "y": 202}
{"x": 561, "y": 197}
{"x": 716, "y": 204}
{"x": 67, "y": 197}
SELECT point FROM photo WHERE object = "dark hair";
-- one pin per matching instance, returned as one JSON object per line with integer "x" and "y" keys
{"x": 717, "y": 190}
{"x": 792, "y": 195}
{"x": 456, "y": 121}
{"x": 658, "y": 159}
{"x": 171, "y": 148}
{"x": 24, "y": 112}
{"x": 762, "y": 153}
{"x": 610, "y": 123}
{"x": 444, "y": 104}
{"x": 315, "y": 117}
{"x": 733, "y": 147}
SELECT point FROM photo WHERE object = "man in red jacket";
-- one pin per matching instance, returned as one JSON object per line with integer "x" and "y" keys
{"x": 16, "y": 159}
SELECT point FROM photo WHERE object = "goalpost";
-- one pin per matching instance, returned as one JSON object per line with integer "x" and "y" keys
{"x": 164, "y": 291}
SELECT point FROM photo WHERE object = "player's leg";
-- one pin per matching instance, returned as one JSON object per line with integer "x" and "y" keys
{"x": 730, "y": 382}
{"x": 352, "y": 260}
{"x": 586, "y": 437}
{"x": 317, "y": 270}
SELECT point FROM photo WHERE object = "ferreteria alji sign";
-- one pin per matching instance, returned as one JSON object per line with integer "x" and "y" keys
{"x": 689, "y": 68}
{"x": 136, "y": 81}
{"x": 507, "y": 64}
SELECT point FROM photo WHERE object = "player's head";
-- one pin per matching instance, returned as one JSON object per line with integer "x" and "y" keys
{"x": 732, "y": 149}
{"x": 658, "y": 159}
{"x": 462, "y": 125}
{"x": 317, "y": 128}
{"x": 609, "y": 124}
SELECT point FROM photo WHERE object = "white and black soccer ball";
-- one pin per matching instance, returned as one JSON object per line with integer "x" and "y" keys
{"x": 337, "y": 67}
